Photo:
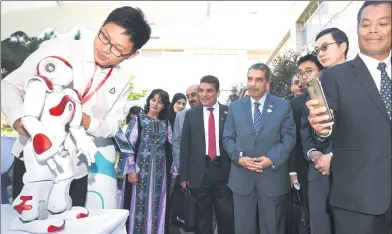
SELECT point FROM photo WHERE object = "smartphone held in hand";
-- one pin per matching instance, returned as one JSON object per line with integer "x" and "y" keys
{"x": 316, "y": 93}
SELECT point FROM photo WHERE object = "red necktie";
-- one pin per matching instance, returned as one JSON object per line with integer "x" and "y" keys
{"x": 211, "y": 135}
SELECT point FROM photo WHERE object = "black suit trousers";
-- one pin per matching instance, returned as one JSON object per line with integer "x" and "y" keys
{"x": 352, "y": 222}
{"x": 214, "y": 192}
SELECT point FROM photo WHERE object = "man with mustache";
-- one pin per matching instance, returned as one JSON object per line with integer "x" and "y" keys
{"x": 205, "y": 166}
{"x": 259, "y": 135}
{"x": 103, "y": 84}
{"x": 192, "y": 94}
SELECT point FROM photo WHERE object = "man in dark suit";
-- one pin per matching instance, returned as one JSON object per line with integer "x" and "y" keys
{"x": 332, "y": 46}
{"x": 204, "y": 164}
{"x": 259, "y": 135}
{"x": 298, "y": 166}
{"x": 359, "y": 93}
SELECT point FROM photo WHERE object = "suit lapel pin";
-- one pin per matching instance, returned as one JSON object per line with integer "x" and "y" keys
{"x": 112, "y": 90}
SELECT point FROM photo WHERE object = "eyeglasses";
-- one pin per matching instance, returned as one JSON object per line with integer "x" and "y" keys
{"x": 105, "y": 40}
{"x": 307, "y": 72}
{"x": 324, "y": 47}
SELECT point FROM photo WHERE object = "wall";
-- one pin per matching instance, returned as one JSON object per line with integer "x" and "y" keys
{"x": 342, "y": 15}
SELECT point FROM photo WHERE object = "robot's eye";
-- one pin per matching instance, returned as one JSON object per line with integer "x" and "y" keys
{"x": 50, "y": 67}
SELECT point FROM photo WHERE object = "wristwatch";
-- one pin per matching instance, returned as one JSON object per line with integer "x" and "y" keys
{"x": 241, "y": 154}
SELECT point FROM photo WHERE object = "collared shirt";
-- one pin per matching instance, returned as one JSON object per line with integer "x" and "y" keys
{"x": 206, "y": 116}
{"x": 372, "y": 64}
{"x": 261, "y": 101}
{"x": 108, "y": 111}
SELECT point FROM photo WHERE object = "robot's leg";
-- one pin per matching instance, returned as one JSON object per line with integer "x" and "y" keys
{"x": 38, "y": 181}
{"x": 60, "y": 202}
{"x": 59, "y": 199}
{"x": 31, "y": 204}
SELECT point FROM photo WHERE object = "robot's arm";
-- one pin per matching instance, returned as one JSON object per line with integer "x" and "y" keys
{"x": 85, "y": 145}
{"x": 12, "y": 86}
{"x": 37, "y": 88}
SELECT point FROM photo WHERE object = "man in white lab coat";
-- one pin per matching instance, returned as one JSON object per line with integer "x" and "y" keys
{"x": 104, "y": 86}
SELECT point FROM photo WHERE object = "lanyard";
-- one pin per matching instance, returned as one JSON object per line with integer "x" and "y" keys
{"x": 86, "y": 97}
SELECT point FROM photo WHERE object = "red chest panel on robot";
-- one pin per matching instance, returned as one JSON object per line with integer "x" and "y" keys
{"x": 64, "y": 103}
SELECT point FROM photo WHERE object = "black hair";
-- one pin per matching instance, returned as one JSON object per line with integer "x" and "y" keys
{"x": 171, "y": 114}
{"x": 262, "y": 67}
{"x": 310, "y": 58}
{"x": 133, "y": 111}
{"x": 134, "y": 22}
{"x": 338, "y": 35}
{"x": 210, "y": 80}
{"x": 165, "y": 100}
{"x": 369, "y": 3}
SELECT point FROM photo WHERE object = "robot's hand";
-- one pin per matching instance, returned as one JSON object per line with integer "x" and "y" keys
{"x": 90, "y": 158}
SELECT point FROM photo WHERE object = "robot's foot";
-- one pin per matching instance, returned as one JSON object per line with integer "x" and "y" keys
{"x": 76, "y": 212}
{"x": 50, "y": 225}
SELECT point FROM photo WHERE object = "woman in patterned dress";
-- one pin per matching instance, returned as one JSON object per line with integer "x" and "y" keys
{"x": 147, "y": 171}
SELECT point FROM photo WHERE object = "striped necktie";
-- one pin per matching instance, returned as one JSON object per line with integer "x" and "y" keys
{"x": 257, "y": 116}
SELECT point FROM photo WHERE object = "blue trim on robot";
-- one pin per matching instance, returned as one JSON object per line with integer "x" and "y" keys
{"x": 103, "y": 166}
{"x": 100, "y": 196}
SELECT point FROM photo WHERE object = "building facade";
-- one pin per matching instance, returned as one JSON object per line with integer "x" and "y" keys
{"x": 317, "y": 16}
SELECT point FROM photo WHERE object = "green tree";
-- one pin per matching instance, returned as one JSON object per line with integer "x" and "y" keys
{"x": 235, "y": 93}
{"x": 283, "y": 67}
{"x": 135, "y": 95}
{"x": 16, "y": 48}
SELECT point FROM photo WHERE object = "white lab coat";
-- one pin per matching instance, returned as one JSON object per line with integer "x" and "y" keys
{"x": 106, "y": 107}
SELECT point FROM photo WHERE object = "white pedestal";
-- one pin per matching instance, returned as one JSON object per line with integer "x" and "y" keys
{"x": 98, "y": 222}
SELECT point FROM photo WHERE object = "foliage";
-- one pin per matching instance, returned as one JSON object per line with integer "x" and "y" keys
{"x": 16, "y": 48}
{"x": 284, "y": 66}
{"x": 135, "y": 95}
{"x": 235, "y": 93}
{"x": 6, "y": 130}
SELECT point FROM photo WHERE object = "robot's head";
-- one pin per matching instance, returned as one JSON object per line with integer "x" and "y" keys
{"x": 56, "y": 69}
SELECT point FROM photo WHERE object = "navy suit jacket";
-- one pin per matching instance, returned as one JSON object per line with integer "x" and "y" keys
{"x": 275, "y": 139}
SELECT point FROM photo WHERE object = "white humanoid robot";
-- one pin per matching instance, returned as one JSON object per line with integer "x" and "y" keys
{"x": 52, "y": 118}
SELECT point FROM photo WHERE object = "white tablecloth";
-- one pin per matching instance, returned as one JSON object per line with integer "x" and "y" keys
{"x": 98, "y": 222}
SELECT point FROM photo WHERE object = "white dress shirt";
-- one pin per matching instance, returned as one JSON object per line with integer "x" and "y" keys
{"x": 372, "y": 64}
{"x": 261, "y": 106}
{"x": 206, "y": 116}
